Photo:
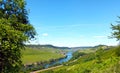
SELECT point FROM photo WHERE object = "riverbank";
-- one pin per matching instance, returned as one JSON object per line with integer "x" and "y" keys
{"x": 47, "y": 64}
{"x": 41, "y": 65}
{"x": 32, "y": 55}
{"x": 41, "y": 58}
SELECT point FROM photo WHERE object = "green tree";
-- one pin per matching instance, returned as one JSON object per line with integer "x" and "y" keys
{"x": 116, "y": 34}
{"x": 15, "y": 30}
{"x": 116, "y": 31}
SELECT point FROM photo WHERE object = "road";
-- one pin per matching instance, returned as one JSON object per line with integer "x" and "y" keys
{"x": 46, "y": 69}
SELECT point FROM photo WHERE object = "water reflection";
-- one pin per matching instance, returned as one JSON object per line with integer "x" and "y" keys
{"x": 67, "y": 58}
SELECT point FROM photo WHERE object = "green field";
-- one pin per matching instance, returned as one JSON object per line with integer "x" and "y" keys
{"x": 31, "y": 55}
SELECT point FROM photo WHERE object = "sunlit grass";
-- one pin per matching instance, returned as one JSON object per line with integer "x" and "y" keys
{"x": 42, "y": 54}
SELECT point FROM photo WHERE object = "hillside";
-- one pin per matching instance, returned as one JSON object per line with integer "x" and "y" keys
{"x": 36, "y": 58}
{"x": 100, "y": 61}
{"x": 31, "y": 55}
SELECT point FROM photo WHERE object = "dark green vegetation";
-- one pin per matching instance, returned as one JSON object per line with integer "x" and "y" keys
{"x": 103, "y": 60}
{"x": 116, "y": 34}
{"x": 77, "y": 54}
{"x": 15, "y": 29}
{"x": 116, "y": 31}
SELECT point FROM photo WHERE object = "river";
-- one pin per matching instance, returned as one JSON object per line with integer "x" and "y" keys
{"x": 60, "y": 61}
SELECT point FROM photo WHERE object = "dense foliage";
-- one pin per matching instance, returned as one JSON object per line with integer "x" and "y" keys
{"x": 116, "y": 31}
{"x": 77, "y": 54}
{"x": 14, "y": 31}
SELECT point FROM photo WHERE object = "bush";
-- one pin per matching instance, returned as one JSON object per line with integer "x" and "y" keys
{"x": 118, "y": 50}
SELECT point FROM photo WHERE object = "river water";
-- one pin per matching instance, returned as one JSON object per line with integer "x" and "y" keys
{"x": 67, "y": 58}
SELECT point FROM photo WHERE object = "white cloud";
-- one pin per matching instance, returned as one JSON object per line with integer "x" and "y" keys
{"x": 45, "y": 34}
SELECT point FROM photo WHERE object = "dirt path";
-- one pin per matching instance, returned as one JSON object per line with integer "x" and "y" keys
{"x": 46, "y": 69}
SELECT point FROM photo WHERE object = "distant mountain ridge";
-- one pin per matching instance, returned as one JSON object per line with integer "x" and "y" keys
{"x": 82, "y": 47}
{"x": 94, "y": 47}
{"x": 56, "y": 47}
{"x": 48, "y": 46}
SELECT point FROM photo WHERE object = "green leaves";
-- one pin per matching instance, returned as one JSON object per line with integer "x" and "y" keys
{"x": 116, "y": 31}
{"x": 15, "y": 29}
{"x": 10, "y": 32}
{"x": 11, "y": 42}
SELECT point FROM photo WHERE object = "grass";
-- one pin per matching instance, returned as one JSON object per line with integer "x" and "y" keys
{"x": 101, "y": 61}
{"x": 41, "y": 54}
{"x": 87, "y": 50}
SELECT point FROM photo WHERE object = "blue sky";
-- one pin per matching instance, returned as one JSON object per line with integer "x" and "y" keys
{"x": 73, "y": 22}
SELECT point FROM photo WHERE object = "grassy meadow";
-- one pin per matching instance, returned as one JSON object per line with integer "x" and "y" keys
{"x": 31, "y": 55}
